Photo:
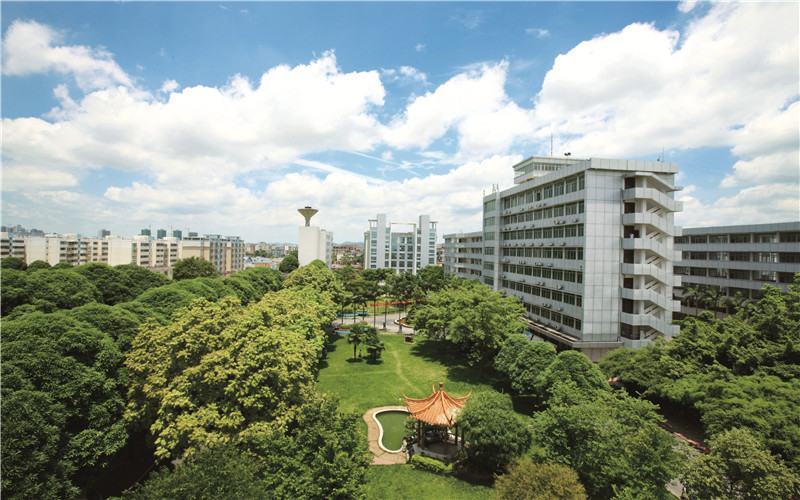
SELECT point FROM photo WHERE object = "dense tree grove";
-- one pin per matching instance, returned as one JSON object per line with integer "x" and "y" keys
{"x": 193, "y": 267}
{"x": 200, "y": 363}
{"x": 528, "y": 480}
{"x": 743, "y": 371}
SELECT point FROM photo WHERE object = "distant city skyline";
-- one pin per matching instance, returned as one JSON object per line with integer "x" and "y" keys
{"x": 227, "y": 117}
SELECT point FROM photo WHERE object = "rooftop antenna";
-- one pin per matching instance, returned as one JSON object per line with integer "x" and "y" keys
{"x": 308, "y": 213}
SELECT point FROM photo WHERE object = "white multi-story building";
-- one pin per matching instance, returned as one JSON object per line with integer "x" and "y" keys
{"x": 587, "y": 245}
{"x": 402, "y": 246}
{"x": 313, "y": 243}
{"x": 740, "y": 258}
{"x": 463, "y": 255}
{"x": 158, "y": 255}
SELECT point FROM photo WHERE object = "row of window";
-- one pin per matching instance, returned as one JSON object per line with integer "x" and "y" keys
{"x": 557, "y": 317}
{"x": 782, "y": 257}
{"x": 569, "y": 231}
{"x": 569, "y": 253}
{"x": 735, "y": 274}
{"x": 557, "y": 188}
{"x": 785, "y": 237}
{"x": 563, "y": 210}
{"x": 545, "y": 293}
{"x": 545, "y": 272}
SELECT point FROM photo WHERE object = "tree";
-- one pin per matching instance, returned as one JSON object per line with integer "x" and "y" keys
{"x": 373, "y": 343}
{"x": 114, "y": 286}
{"x": 432, "y": 279}
{"x": 472, "y": 316}
{"x": 60, "y": 289}
{"x": 523, "y": 361}
{"x": 691, "y": 293}
{"x": 217, "y": 372}
{"x": 738, "y": 467}
{"x": 496, "y": 434}
{"x": 527, "y": 480}
{"x": 610, "y": 439}
{"x": 573, "y": 366}
{"x": 140, "y": 279}
{"x": 710, "y": 298}
{"x": 289, "y": 263}
{"x": 193, "y": 267}
{"x": 263, "y": 279}
{"x": 14, "y": 290}
{"x": 242, "y": 289}
{"x": 119, "y": 324}
{"x": 317, "y": 276}
{"x": 358, "y": 334}
{"x": 221, "y": 471}
{"x": 13, "y": 263}
{"x": 62, "y": 404}
{"x": 37, "y": 265}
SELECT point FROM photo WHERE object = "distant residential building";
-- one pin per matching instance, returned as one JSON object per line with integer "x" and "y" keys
{"x": 161, "y": 233}
{"x": 741, "y": 258}
{"x": 177, "y": 234}
{"x": 103, "y": 233}
{"x": 192, "y": 234}
{"x": 225, "y": 252}
{"x": 313, "y": 243}
{"x": 440, "y": 254}
{"x": 402, "y": 246}
{"x": 463, "y": 255}
{"x": 146, "y": 232}
{"x": 352, "y": 250}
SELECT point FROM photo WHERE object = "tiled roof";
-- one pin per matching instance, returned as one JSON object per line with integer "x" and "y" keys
{"x": 438, "y": 409}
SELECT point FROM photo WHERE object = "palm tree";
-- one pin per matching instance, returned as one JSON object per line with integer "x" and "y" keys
{"x": 690, "y": 295}
{"x": 357, "y": 335}
{"x": 710, "y": 298}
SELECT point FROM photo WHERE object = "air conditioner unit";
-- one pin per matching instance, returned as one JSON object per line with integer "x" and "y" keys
{"x": 550, "y": 244}
{"x": 541, "y": 244}
{"x": 550, "y": 264}
{"x": 557, "y": 328}
{"x": 559, "y": 309}
{"x": 575, "y": 219}
{"x": 563, "y": 244}
{"x": 522, "y": 262}
{"x": 560, "y": 287}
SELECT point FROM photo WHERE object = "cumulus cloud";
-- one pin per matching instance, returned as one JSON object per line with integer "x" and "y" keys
{"x": 538, "y": 32}
{"x": 30, "y": 47}
{"x": 748, "y": 206}
{"x": 420, "y": 47}
{"x": 473, "y": 103}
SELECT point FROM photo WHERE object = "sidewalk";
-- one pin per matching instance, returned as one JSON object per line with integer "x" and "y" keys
{"x": 377, "y": 322}
{"x": 382, "y": 457}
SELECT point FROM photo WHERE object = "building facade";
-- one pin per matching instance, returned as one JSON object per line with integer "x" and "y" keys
{"x": 402, "y": 246}
{"x": 157, "y": 255}
{"x": 587, "y": 246}
{"x": 463, "y": 255}
{"x": 740, "y": 258}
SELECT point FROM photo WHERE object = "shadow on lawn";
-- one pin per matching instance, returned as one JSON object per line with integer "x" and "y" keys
{"x": 448, "y": 354}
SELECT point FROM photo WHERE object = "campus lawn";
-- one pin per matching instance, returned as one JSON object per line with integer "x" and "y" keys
{"x": 403, "y": 481}
{"x": 409, "y": 368}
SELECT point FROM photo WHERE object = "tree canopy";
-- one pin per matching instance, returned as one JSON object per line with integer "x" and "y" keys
{"x": 472, "y": 316}
{"x": 289, "y": 263}
{"x": 193, "y": 267}
{"x": 528, "y": 480}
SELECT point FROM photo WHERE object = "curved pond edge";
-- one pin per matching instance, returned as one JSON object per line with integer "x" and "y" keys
{"x": 380, "y": 427}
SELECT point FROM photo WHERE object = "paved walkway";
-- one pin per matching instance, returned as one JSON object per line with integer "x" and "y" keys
{"x": 382, "y": 457}
{"x": 378, "y": 322}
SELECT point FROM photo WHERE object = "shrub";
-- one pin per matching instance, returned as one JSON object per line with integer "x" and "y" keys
{"x": 431, "y": 465}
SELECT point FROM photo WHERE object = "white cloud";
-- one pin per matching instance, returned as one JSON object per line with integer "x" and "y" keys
{"x": 29, "y": 47}
{"x": 538, "y": 32}
{"x": 724, "y": 82}
{"x": 169, "y": 86}
{"x": 753, "y": 205}
{"x": 474, "y": 104}
{"x": 420, "y": 47}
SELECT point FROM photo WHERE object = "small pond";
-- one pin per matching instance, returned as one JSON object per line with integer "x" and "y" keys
{"x": 392, "y": 423}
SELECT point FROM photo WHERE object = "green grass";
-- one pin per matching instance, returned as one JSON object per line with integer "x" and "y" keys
{"x": 407, "y": 483}
{"x": 409, "y": 368}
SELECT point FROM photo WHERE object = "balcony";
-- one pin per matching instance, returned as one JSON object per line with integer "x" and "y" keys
{"x": 666, "y": 202}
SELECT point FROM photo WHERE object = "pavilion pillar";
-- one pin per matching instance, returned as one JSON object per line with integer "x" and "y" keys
{"x": 446, "y": 433}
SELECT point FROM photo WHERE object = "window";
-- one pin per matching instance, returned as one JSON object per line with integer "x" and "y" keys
{"x": 766, "y": 238}
{"x": 699, "y": 239}
{"x": 737, "y": 274}
{"x": 740, "y": 238}
{"x": 790, "y": 237}
{"x": 739, "y": 256}
{"x": 488, "y": 221}
{"x": 718, "y": 238}
{"x": 489, "y": 206}
{"x": 698, "y": 271}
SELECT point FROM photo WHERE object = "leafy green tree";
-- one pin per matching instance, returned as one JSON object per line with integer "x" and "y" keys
{"x": 289, "y": 263}
{"x": 321, "y": 453}
{"x": 14, "y": 290}
{"x": 527, "y": 480}
{"x": 263, "y": 279}
{"x": 218, "y": 371}
{"x": 141, "y": 279}
{"x": 432, "y": 279}
{"x": 576, "y": 367}
{"x": 63, "y": 265}
{"x": 317, "y": 276}
{"x": 242, "y": 289}
{"x": 165, "y": 300}
{"x": 114, "y": 287}
{"x": 38, "y": 265}
{"x": 13, "y": 263}
{"x": 119, "y": 324}
{"x": 709, "y": 298}
{"x": 358, "y": 334}
{"x": 738, "y": 467}
{"x": 60, "y": 289}
{"x": 610, "y": 439}
{"x": 193, "y": 267}
{"x": 373, "y": 343}
{"x": 472, "y": 316}
{"x": 63, "y": 375}
{"x": 691, "y": 295}
{"x": 221, "y": 471}
{"x": 523, "y": 361}
{"x": 496, "y": 433}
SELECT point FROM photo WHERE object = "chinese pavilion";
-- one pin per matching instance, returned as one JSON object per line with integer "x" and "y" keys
{"x": 437, "y": 409}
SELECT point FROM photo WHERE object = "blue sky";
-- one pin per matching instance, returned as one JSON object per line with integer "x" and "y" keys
{"x": 227, "y": 117}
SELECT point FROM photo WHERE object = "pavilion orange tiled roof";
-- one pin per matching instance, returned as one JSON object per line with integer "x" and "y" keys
{"x": 438, "y": 409}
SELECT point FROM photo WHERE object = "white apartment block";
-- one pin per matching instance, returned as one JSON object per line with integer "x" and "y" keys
{"x": 314, "y": 244}
{"x": 587, "y": 245}
{"x": 402, "y": 246}
{"x": 158, "y": 255}
{"x": 740, "y": 258}
{"x": 463, "y": 255}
